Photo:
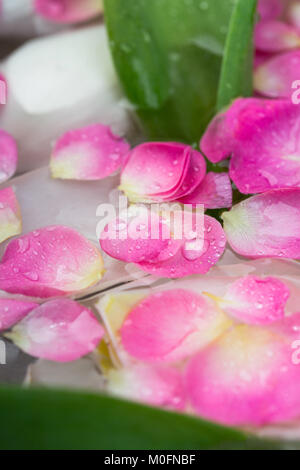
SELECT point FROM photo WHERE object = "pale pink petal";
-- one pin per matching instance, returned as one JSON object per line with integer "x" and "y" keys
{"x": 275, "y": 77}
{"x": 196, "y": 256}
{"x": 246, "y": 378}
{"x": 89, "y": 153}
{"x": 293, "y": 13}
{"x": 12, "y": 311}
{"x": 50, "y": 261}
{"x": 161, "y": 171}
{"x": 266, "y": 226}
{"x": 215, "y": 192}
{"x": 61, "y": 330}
{"x": 10, "y": 215}
{"x": 154, "y": 385}
{"x": 8, "y": 156}
{"x": 3, "y": 91}
{"x": 276, "y": 36}
{"x": 256, "y": 300}
{"x": 270, "y": 9}
{"x": 171, "y": 325}
{"x": 68, "y": 11}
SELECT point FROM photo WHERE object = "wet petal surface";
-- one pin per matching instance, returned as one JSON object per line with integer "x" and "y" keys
{"x": 8, "y": 156}
{"x": 12, "y": 311}
{"x": 10, "y": 215}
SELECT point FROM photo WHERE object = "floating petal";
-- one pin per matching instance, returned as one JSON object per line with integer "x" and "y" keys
{"x": 61, "y": 330}
{"x": 12, "y": 311}
{"x": 10, "y": 215}
{"x": 266, "y": 226}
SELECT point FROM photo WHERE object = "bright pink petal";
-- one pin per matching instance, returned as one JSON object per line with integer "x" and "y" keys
{"x": 266, "y": 226}
{"x": 276, "y": 36}
{"x": 50, "y": 261}
{"x": 90, "y": 153}
{"x": 260, "y": 58}
{"x": 245, "y": 378}
{"x": 153, "y": 385}
{"x": 161, "y": 171}
{"x": 196, "y": 256}
{"x": 270, "y": 9}
{"x": 68, "y": 11}
{"x": 8, "y": 156}
{"x": 171, "y": 325}
{"x": 256, "y": 300}
{"x": 215, "y": 192}
{"x": 60, "y": 330}
{"x": 10, "y": 215}
{"x": 275, "y": 78}
{"x": 12, "y": 311}
{"x": 137, "y": 238}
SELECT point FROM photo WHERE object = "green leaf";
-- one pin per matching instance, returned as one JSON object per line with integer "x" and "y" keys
{"x": 169, "y": 53}
{"x": 51, "y": 419}
{"x": 236, "y": 76}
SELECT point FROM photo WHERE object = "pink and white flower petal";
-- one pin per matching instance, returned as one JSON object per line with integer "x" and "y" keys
{"x": 10, "y": 215}
{"x": 12, "y": 311}
{"x": 60, "y": 330}
{"x": 246, "y": 378}
{"x": 137, "y": 236}
{"x": 154, "y": 385}
{"x": 155, "y": 171}
{"x": 8, "y": 156}
{"x": 266, "y": 225}
{"x": 293, "y": 13}
{"x": 171, "y": 325}
{"x": 270, "y": 9}
{"x": 256, "y": 300}
{"x": 276, "y": 36}
{"x": 89, "y": 153}
{"x": 3, "y": 89}
{"x": 275, "y": 78}
{"x": 215, "y": 192}
{"x": 51, "y": 261}
{"x": 196, "y": 256}
{"x": 68, "y": 11}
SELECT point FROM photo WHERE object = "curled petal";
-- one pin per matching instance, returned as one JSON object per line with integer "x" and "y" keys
{"x": 196, "y": 256}
{"x": 266, "y": 226}
{"x": 137, "y": 236}
{"x": 10, "y": 215}
{"x": 215, "y": 192}
{"x": 89, "y": 153}
{"x": 270, "y": 9}
{"x": 276, "y": 36}
{"x": 161, "y": 171}
{"x": 12, "y": 311}
{"x": 50, "y": 261}
{"x": 68, "y": 11}
{"x": 171, "y": 325}
{"x": 245, "y": 378}
{"x": 256, "y": 300}
{"x": 61, "y": 330}
{"x": 275, "y": 77}
{"x": 8, "y": 156}
{"x": 153, "y": 385}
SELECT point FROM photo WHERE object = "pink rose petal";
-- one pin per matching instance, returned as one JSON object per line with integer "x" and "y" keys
{"x": 171, "y": 325}
{"x": 161, "y": 171}
{"x": 154, "y": 385}
{"x": 274, "y": 78}
{"x": 10, "y": 215}
{"x": 196, "y": 256}
{"x": 50, "y": 261}
{"x": 12, "y": 311}
{"x": 246, "y": 378}
{"x": 215, "y": 192}
{"x": 293, "y": 14}
{"x": 61, "y": 330}
{"x": 256, "y": 300}
{"x": 68, "y": 11}
{"x": 276, "y": 36}
{"x": 260, "y": 58}
{"x": 266, "y": 226}
{"x": 90, "y": 153}
{"x": 3, "y": 89}
{"x": 270, "y": 9}
{"x": 8, "y": 156}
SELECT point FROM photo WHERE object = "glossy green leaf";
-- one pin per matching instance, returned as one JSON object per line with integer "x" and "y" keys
{"x": 236, "y": 75}
{"x": 169, "y": 53}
